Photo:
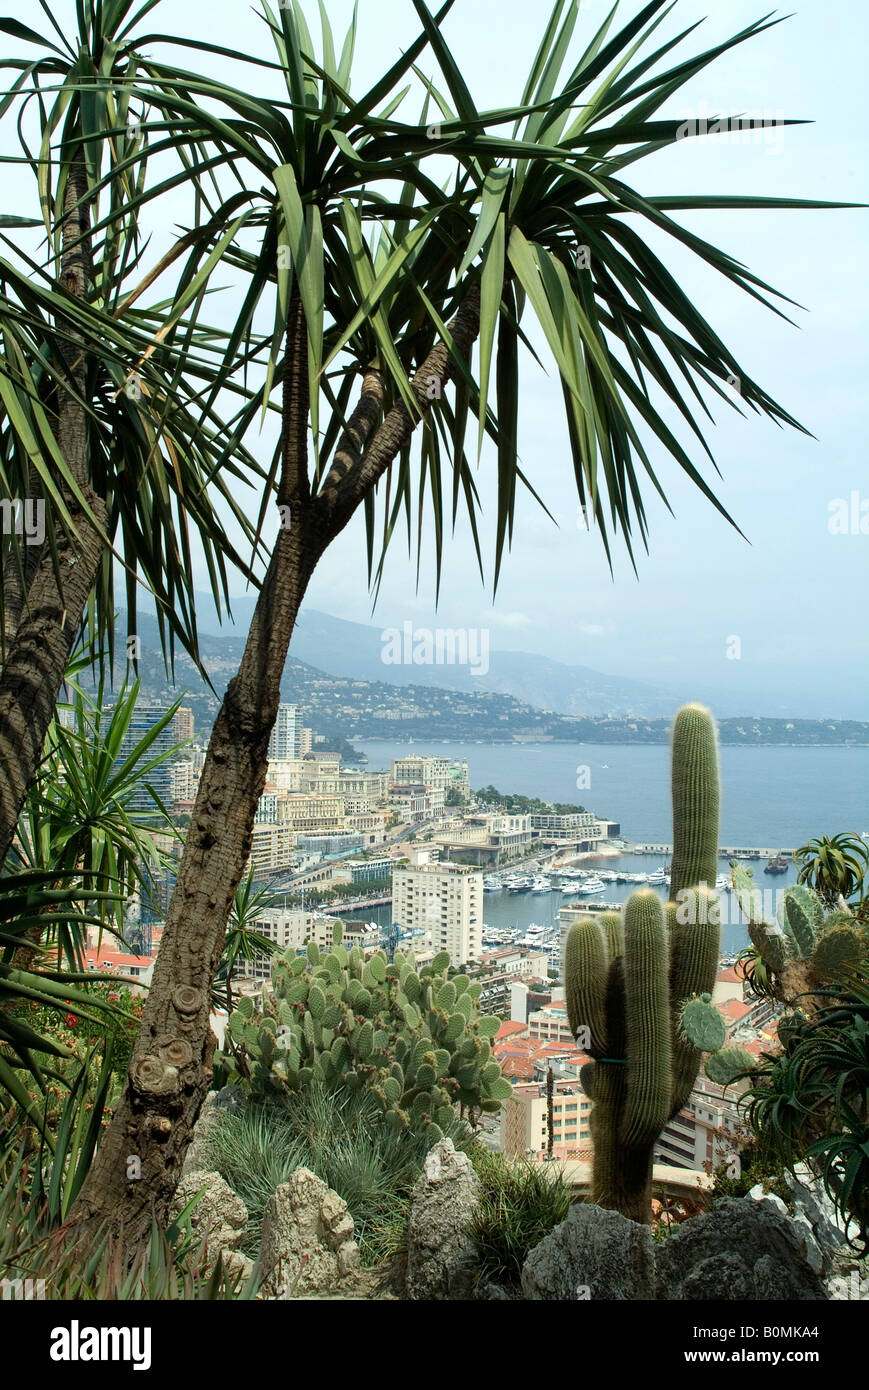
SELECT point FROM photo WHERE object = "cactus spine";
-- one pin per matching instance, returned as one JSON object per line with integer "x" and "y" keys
{"x": 628, "y": 979}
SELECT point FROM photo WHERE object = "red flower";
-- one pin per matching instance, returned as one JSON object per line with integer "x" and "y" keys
{"x": 71, "y": 1021}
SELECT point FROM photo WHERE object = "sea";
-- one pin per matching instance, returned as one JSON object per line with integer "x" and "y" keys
{"x": 774, "y": 798}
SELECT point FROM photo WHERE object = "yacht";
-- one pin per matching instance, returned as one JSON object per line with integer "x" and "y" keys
{"x": 592, "y": 885}
{"x": 521, "y": 885}
{"x": 722, "y": 882}
{"x": 491, "y": 883}
{"x": 658, "y": 878}
{"x": 569, "y": 889}
{"x": 541, "y": 885}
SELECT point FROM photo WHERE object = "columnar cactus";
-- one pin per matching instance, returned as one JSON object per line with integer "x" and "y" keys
{"x": 417, "y": 1040}
{"x": 629, "y": 977}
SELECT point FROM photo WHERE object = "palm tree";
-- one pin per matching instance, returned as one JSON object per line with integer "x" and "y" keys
{"x": 243, "y": 941}
{"x": 375, "y": 281}
{"x": 101, "y": 421}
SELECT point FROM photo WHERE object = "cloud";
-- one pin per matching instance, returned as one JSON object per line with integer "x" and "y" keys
{"x": 513, "y": 621}
{"x": 593, "y": 629}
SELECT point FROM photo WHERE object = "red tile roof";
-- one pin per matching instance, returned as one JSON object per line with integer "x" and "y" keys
{"x": 729, "y": 977}
{"x": 735, "y": 1009}
{"x": 511, "y": 1030}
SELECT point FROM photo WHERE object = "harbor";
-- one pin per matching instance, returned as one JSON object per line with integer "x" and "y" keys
{"x": 529, "y": 914}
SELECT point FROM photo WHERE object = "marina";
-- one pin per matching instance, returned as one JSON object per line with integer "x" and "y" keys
{"x": 508, "y": 916}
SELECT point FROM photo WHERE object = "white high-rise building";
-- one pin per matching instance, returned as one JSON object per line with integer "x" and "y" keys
{"x": 284, "y": 741}
{"x": 445, "y": 901}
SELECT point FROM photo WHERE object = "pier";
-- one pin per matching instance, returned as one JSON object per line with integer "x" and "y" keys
{"x": 726, "y": 852}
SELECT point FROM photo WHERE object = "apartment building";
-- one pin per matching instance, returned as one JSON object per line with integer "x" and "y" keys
{"x": 185, "y": 781}
{"x": 284, "y": 739}
{"x": 550, "y": 1024}
{"x": 499, "y": 970}
{"x": 272, "y": 847}
{"x": 183, "y": 723}
{"x": 444, "y": 900}
{"x": 524, "y": 1125}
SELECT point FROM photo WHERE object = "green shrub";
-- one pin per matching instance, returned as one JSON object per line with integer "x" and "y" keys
{"x": 341, "y": 1136}
{"x": 522, "y": 1202}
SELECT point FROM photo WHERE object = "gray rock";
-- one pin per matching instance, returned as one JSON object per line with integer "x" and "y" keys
{"x": 229, "y": 1098}
{"x": 849, "y": 1279}
{"x": 219, "y": 1215}
{"x": 308, "y": 1245}
{"x": 594, "y": 1254}
{"x": 818, "y": 1210}
{"x": 811, "y": 1250}
{"x": 721, "y": 1276}
{"x": 198, "y": 1155}
{"x": 700, "y": 1259}
{"x": 441, "y": 1255}
{"x": 758, "y": 1194}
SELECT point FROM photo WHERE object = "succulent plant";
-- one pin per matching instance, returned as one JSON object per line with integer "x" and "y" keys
{"x": 702, "y": 1024}
{"x": 807, "y": 948}
{"x": 728, "y": 1065}
{"x": 630, "y": 978}
{"x": 416, "y": 1038}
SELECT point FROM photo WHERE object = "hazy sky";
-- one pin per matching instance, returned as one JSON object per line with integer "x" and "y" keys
{"x": 796, "y": 595}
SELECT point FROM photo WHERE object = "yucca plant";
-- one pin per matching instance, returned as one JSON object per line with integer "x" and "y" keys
{"x": 369, "y": 282}
{"x": 102, "y": 422}
{"x": 169, "y": 1262}
{"x": 84, "y": 845}
{"x": 243, "y": 942}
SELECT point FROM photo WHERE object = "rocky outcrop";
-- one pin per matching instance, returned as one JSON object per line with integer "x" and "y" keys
{"x": 308, "y": 1247}
{"x": 739, "y": 1250}
{"x": 219, "y": 1215}
{"x": 441, "y": 1255}
{"x": 595, "y": 1254}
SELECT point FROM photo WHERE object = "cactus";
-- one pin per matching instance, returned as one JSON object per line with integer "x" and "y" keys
{"x": 807, "y": 949}
{"x": 417, "y": 1039}
{"x": 839, "y": 950}
{"x": 630, "y": 977}
{"x": 702, "y": 1024}
{"x": 729, "y": 1065}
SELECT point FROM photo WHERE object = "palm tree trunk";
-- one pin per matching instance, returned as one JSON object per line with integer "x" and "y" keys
{"x": 170, "y": 1070}
{"x": 50, "y": 610}
{"x": 171, "y": 1066}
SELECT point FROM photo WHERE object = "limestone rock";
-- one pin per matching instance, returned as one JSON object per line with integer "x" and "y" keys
{"x": 308, "y": 1245}
{"x": 595, "y": 1254}
{"x": 219, "y": 1215}
{"x": 441, "y": 1255}
{"x": 198, "y": 1157}
{"x": 739, "y": 1250}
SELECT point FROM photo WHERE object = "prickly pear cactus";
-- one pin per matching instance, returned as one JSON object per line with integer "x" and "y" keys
{"x": 416, "y": 1038}
{"x": 703, "y": 1024}
{"x": 729, "y": 1065}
